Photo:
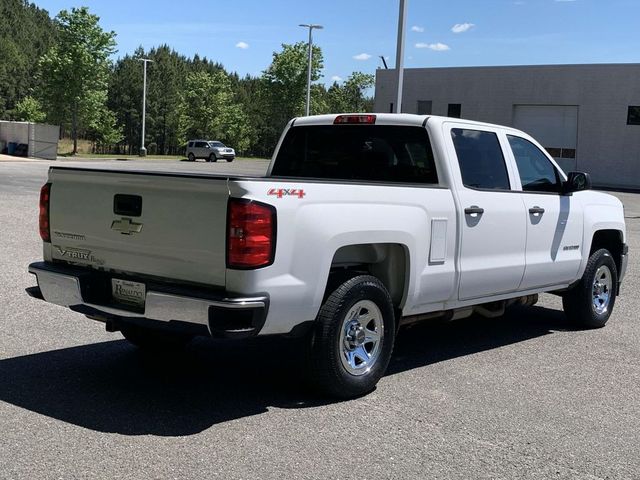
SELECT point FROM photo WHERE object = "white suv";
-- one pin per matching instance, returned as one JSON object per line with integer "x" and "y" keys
{"x": 210, "y": 150}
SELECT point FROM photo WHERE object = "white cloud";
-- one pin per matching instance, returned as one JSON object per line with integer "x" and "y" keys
{"x": 362, "y": 56}
{"x": 336, "y": 78}
{"x": 242, "y": 45}
{"x": 418, "y": 29}
{"x": 437, "y": 47}
{"x": 462, "y": 27}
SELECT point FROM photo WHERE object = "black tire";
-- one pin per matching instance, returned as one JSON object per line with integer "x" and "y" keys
{"x": 153, "y": 340}
{"x": 578, "y": 303}
{"x": 230, "y": 160}
{"x": 212, "y": 158}
{"x": 328, "y": 342}
{"x": 191, "y": 157}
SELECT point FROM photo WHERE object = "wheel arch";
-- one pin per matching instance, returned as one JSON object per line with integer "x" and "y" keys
{"x": 612, "y": 240}
{"x": 389, "y": 262}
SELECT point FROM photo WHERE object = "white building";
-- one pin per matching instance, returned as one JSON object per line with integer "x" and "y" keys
{"x": 587, "y": 116}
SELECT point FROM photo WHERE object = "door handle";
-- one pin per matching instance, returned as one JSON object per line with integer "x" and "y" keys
{"x": 536, "y": 211}
{"x": 474, "y": 210}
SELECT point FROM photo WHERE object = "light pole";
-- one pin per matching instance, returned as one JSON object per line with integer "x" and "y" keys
{"x": 402, "y": 20}
{"x": 143, "y": 151}
{"x": 310, "y": 26}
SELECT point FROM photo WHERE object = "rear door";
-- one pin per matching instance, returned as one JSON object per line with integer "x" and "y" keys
{"x": 171, "y": 227}
{"x": 202, "y": 149}
{"x": 554, "y": 221}
{"x": 490, "y": 213}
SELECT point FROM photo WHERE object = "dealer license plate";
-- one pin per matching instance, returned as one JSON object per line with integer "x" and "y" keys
{"x": 131, "y": 293}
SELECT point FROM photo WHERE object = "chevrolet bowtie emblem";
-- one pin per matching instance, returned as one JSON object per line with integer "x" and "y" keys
{"x": 126, "y": 227}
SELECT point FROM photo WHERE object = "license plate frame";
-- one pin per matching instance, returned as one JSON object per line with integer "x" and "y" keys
{"x": 128, "y": 292}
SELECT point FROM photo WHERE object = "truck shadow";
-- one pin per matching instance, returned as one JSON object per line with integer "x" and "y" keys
{"x": 111, "y": 387}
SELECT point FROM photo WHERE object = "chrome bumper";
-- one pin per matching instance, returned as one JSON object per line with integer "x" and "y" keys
{"x": 221, "y": 315}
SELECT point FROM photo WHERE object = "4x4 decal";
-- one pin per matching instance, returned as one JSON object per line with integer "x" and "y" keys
{"x": 287, "y": 192}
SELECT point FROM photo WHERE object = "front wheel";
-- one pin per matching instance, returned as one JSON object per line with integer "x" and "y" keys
{"x": 212, "y": 157}
{"x": 353, "y": 338}
{"x": 590, "y": 302}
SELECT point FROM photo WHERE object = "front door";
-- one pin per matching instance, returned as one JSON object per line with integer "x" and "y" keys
{"x": 554, "y": 221}
{"x": 491, "y": 215}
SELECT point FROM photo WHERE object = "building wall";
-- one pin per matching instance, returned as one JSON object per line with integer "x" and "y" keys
{"x": 42, "y": 139}
{"x": 607, "y": 147}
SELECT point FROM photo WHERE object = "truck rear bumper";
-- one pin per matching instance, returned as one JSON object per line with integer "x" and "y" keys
{"x": 168, "y": 307}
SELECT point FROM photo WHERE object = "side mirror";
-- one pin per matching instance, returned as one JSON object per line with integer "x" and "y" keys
{"x": 577, "y": 182}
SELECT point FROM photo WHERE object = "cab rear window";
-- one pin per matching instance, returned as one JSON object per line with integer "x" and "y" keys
{"x": 357, "y": 152}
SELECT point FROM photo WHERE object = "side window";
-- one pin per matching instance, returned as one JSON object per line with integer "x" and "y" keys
{"x": 481, "y": 160}
{"x": 201, "y": 144}
{"x": 537, "y": 173}
{"x": 190, "y": 145}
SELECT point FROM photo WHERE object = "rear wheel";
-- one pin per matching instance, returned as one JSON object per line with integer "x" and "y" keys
{"x": 590, "y": 302}
{"x": 154, "y": 340}
{"x": 353, "y": 338}
{"x": 191, "y": 157}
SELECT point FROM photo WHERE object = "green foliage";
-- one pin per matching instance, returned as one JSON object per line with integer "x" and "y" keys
{"x": 104, "y": 129}
{"x": 75, "y": 71}
{"x": 280, "y": 94}
{"x": 125, "y": 98}
{"x": 208, "y": 110}
{"x": 29, "y": 110}
{"x": 166, "y": 77}
{"x": 285, "y": 80}
{"x": 26, "y": 32}
{"x": 350, "y": 97}
{"x": 61, "y": 69}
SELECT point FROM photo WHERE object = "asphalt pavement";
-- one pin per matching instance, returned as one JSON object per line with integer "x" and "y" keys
{"x": 521, "y": 396}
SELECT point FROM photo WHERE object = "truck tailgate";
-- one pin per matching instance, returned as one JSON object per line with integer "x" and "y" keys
{"x": 178, "y": 233}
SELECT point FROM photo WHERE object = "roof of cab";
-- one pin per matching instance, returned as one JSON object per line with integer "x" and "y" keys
{"x": 393, "y": 119}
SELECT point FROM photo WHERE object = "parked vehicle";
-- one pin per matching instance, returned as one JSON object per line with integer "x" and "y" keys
{"x": 209, "y": 150}
{"x": 363, "y": 223}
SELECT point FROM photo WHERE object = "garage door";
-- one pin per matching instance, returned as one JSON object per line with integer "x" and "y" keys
{"x": 554, "y": 126}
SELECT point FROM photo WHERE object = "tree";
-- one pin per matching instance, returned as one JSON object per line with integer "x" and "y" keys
{"x": 26, "y": 32}
{"x": 103, "y": 129}
{"x": 350, "y": 97}
{"x": 29, "y": 110}
{"x": 281, "y": 94}
{"x": 208, "y": 110}
{"x": 166, "y": 79}
{"x": 75, "y": 71}
{"x": 286, "y": 78}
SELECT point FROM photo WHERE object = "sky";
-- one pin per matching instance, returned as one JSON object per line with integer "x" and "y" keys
{"x": 243, "y": 34}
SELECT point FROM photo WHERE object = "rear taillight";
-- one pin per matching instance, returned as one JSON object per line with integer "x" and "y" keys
{"x": 251, "y": 234}
{"x": 45, "y": 227}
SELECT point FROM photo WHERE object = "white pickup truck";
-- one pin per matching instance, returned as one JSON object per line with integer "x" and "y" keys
{"x": 363, "y": 223}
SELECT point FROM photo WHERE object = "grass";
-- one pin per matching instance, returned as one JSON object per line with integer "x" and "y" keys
{"x": 65, "y": 147}
{"x": 123, "y": 157}
{"x": 173, "y": 158}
